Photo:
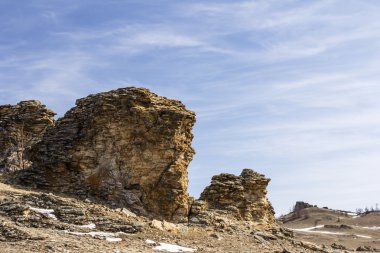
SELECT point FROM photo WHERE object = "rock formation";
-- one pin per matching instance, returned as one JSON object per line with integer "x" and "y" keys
{"x": 21, "y": 126}
{"x": 243, "y": 197}
{"x": 127, "y": 147}
{"x": 301, "y": 205}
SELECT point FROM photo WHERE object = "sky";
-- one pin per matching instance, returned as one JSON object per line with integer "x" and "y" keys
{"x": 289, "y": 88}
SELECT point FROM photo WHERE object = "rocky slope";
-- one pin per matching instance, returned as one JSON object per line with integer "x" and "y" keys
{"x": 35, "y": 221}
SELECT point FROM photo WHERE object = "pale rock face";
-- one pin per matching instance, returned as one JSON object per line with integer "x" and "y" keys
{"x": 127, "y": 147}
{"x": 21, "y": 126}
{"x": 244, "y": 197}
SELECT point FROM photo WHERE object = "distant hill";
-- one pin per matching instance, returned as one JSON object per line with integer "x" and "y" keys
{"x": 337, "y": 228}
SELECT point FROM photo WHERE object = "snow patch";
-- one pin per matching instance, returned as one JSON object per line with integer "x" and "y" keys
{"x": 150, "y": 242}
{"x": 170, "y": 247}
{"x": 311, "y": 230}
{"x": 110, "y": 237}
{"x": 49, "y": 212}
{"x": 90, "y": 226}
{"x": 113, "y": 239}
{"x": 308, "y": 229}
{"x": 364, "y": 236}
{"x": 372, "y": 228}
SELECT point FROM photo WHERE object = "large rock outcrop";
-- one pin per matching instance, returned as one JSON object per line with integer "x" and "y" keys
{"x": 21, "y": 126}
{"x": 127, "y": 147}
{"x": 244, "y": 197}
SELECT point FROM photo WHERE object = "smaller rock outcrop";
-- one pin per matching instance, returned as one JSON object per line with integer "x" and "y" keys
{"x": 301, "y": 205}
{"x": 243, "y": 197}
{"x": 21, "y": 126}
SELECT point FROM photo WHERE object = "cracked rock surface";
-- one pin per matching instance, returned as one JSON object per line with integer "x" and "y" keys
{"x": 21, "y": 126}
{"x": 243, "y": 197}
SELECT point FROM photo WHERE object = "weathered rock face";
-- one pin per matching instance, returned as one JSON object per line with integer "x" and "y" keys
{"x": 21, "y": 126}
{"x": 128, "y": 147}
{"x": 242, "y": 196}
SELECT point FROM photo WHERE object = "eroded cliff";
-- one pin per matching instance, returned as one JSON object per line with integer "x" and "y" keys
{"x": 127, "y": 147}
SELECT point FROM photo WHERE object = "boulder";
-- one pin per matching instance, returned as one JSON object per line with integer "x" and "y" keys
{"x": 243, "y": 197}
{"x": 126, "y": 147}
{"x": 21, "y": 126}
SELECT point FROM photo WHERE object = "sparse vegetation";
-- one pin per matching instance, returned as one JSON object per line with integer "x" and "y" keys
{"x": 367, "y": 209}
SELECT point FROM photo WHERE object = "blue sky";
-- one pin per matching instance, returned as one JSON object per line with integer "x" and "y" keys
{"x": 290, "y": 88}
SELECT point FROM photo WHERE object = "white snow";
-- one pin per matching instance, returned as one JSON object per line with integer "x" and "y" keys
{"x": 372, "y": 228}
{"x": 49, "y": 212}
{"x": 353, "y": 215}
{"x": 147, "y": 241}
{"x": 308, "y": 229}
{"x": 111, "y": 237}
{"x": 364, "y": 236}
{"x": 90, "y": 226}
{"x": 172, "y": 248}
{"x": 311, "y": 230}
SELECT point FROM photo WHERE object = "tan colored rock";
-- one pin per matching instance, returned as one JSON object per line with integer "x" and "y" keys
{"x": 21, "y": 126}
{"x": 170, "y": 227}
{"x": 166, "y": 226}
{"x": 127, "y": 147}
{"x": 157, "y": 224}
{"x": 243, "y": 197}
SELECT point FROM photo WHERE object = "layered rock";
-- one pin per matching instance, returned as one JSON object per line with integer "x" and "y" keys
{"x": 127, "y": 147}
{"x": 21, "y": 126}
{"x": 243, "y": 197}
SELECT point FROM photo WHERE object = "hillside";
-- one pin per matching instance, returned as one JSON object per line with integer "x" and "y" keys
{"x": 327, "y": 226}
